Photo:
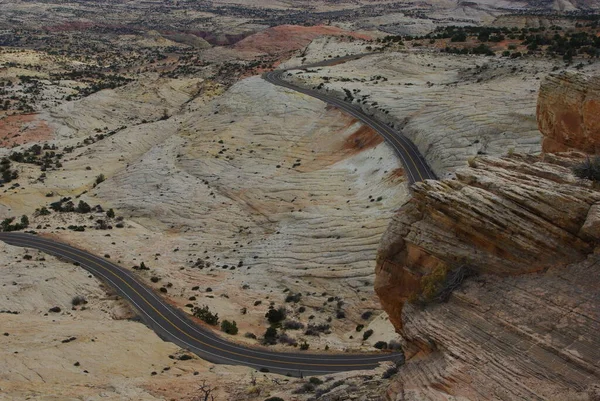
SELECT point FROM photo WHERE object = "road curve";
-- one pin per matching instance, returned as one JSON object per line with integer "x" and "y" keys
{"x": 171, "y": 324}
{"x": 414, "y": 163}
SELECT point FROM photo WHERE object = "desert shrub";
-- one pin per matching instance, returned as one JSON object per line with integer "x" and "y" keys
{"x": 270, "y": 336}
{"x": 250, "y": 335}
{"x": 305, "y": 388}
{"x": 366, "y": 315}
{"x": 274, "y": 399}
{"x": 43, "y": 211}
{"x": 394, "y": 345}
{"x": 360, "y": 327}
{"x": 295, "y": 298}
{"x": 229, "y": 327}
{"x": 380, "y": 345}
{"x": 315, "y": 380}
{"x": 316, "y": 329}
{"x": 367, "y": 334}
{"x": 437, "y": 286}
{"x": 206, "y": 315}
{"x": 83, "y": 207}
{"x": 589, "y": 169}
{"x": 304, "y": 346}
{"x": 285, "y": 339}
{"x": 292, "y": 325}
{"x": 55, "y": 309}
{"x": 78, "y": 300}
{"x": 100, "y": 178}
{"x": 276, "y": 315}
{"x": 110, "y": 214}
{"x": 7, "y": 225}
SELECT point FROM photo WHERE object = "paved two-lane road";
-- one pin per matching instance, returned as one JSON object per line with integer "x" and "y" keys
{"x": 173, "y": 325}
{"x": 414, "y": 164}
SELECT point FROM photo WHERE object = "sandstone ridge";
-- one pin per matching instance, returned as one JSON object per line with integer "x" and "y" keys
{"x": 503, "y": 334}
{"x": 506, "y": 216}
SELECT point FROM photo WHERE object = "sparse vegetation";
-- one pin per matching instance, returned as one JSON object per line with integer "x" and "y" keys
{"x": 8, "y": 225}
{"x": 229, "y": 327}
{"x": 589, "y": 169}
{"x": 276, "y": 315}
{"x": 78, "y": 300}
{"x": 206, "y": 315}
{"x": 437, "y": 286}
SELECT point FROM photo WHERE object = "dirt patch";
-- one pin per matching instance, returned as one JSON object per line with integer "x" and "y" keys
{"x": 364, "y": 138}
{"x": 397, "y": 174}
{"x": 22, "y": 129}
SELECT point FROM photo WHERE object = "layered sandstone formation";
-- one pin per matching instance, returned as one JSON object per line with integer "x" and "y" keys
{"x": 568, "y": 112}
{"x": 500, "y": 337}
{"x": 505, "y": 216}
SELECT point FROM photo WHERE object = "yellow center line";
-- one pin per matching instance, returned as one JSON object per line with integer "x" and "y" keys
{"x": 93, "y": 263}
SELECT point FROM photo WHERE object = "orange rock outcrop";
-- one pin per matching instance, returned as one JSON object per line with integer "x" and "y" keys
{"x": 568, "y": 113}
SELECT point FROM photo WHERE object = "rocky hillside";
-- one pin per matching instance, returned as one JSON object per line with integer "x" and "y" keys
{"x": 568, "y": 112}
{"x": 500, "y": 217}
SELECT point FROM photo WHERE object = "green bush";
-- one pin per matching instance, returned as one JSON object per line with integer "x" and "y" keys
{"x": 83, "y": 207}
{"x": 206, "y": 315}
{"x": 7, "y": 225}
{"x": 276, "y": 315}
{"x": 270, "y": 336}
{"x": 229, "y": 327}
{"x": 100, "y": 178}
{"x": 367, "y": 334}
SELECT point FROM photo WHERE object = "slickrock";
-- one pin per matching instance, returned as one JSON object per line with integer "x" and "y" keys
{"x": 504, "y": 334}
{"x": 452, "y": 108}
{"x": 510, "y": 215}
{"x": 568, "y": 112}
{"x": 532, "y": 337}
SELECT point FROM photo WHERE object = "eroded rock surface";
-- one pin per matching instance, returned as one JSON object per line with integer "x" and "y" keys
{"x": 505, "y": 334}
{"x": 568, "y": 112}
{"x": 509, "y": 215}
{"x": 532, "y": 337}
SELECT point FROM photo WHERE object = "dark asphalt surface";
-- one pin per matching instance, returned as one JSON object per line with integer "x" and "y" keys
{"x": 172, "y": 324}
{"x": 414, "y": 164}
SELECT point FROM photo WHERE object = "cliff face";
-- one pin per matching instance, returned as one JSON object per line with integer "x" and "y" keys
{"x": 568, "y": 112}
{"x": 504, "y": 216}
{"x": 499, "y": 337}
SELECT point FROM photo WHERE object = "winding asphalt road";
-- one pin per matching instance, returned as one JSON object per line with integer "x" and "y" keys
{"x": 173, "y": 325}
{"x": 414, "y": 164}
